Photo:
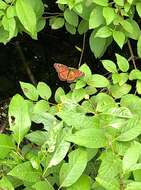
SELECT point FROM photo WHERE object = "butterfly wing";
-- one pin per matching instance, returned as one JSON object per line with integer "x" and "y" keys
{"x": 74, "y": 74}
{"x": 62, "y": 71}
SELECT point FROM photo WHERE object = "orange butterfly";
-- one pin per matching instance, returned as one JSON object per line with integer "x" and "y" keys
{"x": 66, "y": 73}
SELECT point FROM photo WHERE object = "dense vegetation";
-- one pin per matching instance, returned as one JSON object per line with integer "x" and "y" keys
{"x": 89, "y": 137}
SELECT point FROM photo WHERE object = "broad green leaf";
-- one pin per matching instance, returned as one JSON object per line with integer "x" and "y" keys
{"x": 98, "y": 81}
{"x": 133, "y": 186}
{"x": 82, "y": 183}
{"x": 83, "y": 27}
{"x": 139, "y": 46}
{"x": 9, "y": 24}
{"x": 78, "y": 94}
{"x": 109, "y": 66}
{"x": 44, "y": 90}
{"x": 41, "y": 106}
{"x": 6, "y": 145}
{"x": 103, "y": 32}
{"x": 59, "y": 92}
{"x": 76, "y": 119}
{"x": 101, "y": 2}
{"x": 6, "y": 184}
{"x": 71, "y": 17}
{"x": 43, "y": 185}
{"x": 138, "y": 86}
{"x": 25, "y": 172}
{"x": 127, "y": 26}
{"x": 135, "y": 74}
{"x": 96, "y": 17}
{"x": 119, "y": 2}
{"x": 131, "y": 130}
{"x": 120, "y": 78}
{"x": 90, "y": 138}
{"x": 4, "y": 35}
{"x": 121, "y": 147}
{"x": 27, "y": 16}
{"x": 131, "y": 156}
{"x": 57, "y": 23}
{"x": 19, "y": 118}
{"x": 38, "y": 137}
{"x": 38, "y": 7}
{"x": 61, "y": 149}
{"x": 84, "y": 68}
{"x": 138, "y": 8}
{"x": 11, "y": 12}
{"x": 122, "y": 63}
{"x": 137, "y": 174}
{"x": 119, "y": 38}
{"x": 3, "y": 5}
{"x": 71, "y": 171}
{"x": 29, "y": 91}
{"x": 80, "y": 84}
{"x": 109, "y": 14}
{"x": 132, "y": 102}
{"x": 118, "y": 91}
{"x": 70, "y": 28}
{"x": 136, "y": 32}
{"x": 110, "y": 166}
{"x": 97, "y": 45}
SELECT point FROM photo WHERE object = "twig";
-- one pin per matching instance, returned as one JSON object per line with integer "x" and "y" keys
{"x": 28, "y": 70}
{"x": 132, "y": 54}
{"x": 82, "y": 52}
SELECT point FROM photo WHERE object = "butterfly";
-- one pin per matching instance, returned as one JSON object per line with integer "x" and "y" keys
{"x": 66, "y": 73}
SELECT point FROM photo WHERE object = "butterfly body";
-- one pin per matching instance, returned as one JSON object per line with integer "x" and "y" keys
{"x": 66, "y": 73}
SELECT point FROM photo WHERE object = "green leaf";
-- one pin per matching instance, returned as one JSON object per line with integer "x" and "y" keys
{"x": 59, "y": 92}
{"x": 119, "y": 38}
{"x": 133, "y": 186}
{"x": 96, "y": 17}
{"x": 70, "y": 172}
{"x": 6, "y": 184}
{"x": 41, "y": 106}
{"x": 109, "y": 14}
{"x": 98, "y": 81}
{"x": 131, "y": 156}
{"x": 139, "y": 46}
{"x": 119, "y": 2}
{"x": 109, "y": 66}
{"x": 27, "y": 16}
{"x": 97, "y": 45}
{"x": 25, "y": 172}
{"x": 3, "y": 5}
{"x": 29, "y": 91}
{"x": 84, "y": 68}
{"x": 101, "y": 2}
{"x": 11, "y": 12}
{"x": 71, "y": 29}
{"x": 132, "y": 102}
{"x": 138, "y": 8}
{"x": 38, "y": 137}
{"x": 83, "y": 26}
{"x": 103, "y": 32}
{"x": 43, "y": 185}
{"x": 71, "y": 17}
{"x": 19, "y": 118}
{"x": 131, "y": 131}
{"x": 138, "y": 86}
{"x": 61, "y": 149}
{"x": 6, "y": 145}
{"x": 135, "y": 74}
{"x": 127, "y": 26}
{"x": 136, "y": 32}
{"x": 122, "y": 63}
{"x": 82, "y": 183}
{"x": 118, "y": 91}
{"x": 90, "y": 138}
{"x": 44, "y": 90}
{"x": 57, "y": 23}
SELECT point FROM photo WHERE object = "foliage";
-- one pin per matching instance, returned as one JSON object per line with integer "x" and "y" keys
{"x": 90, "y": 136}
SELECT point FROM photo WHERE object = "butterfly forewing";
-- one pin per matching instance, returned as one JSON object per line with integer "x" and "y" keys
{"x": 66, "y": 73}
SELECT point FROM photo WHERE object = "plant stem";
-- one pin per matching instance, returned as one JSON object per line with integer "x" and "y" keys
{"x": 131, "y": 53}
{"x": 28, "y": 70}
{"x": 82, "y": 52}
